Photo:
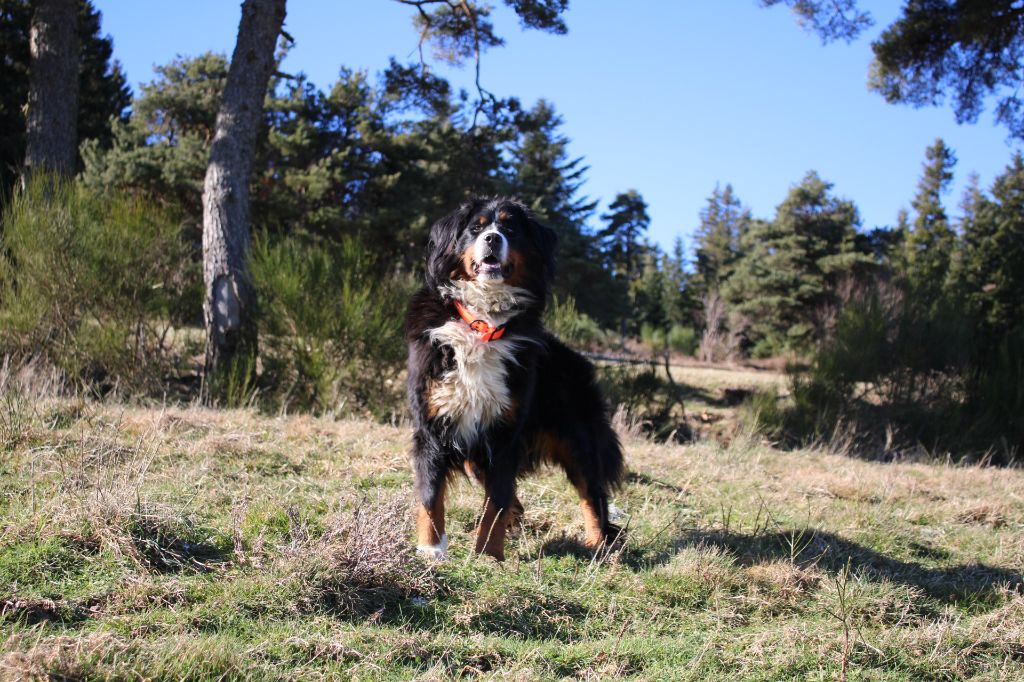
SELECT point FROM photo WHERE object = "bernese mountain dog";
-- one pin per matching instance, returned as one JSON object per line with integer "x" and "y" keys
{"x": 492, "y": 393}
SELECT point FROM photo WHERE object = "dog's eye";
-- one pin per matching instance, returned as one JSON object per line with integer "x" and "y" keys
{"x": 481, "y": 221}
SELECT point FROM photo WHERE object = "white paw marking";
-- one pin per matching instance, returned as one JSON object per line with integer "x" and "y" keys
{"x": 434, "y": 552}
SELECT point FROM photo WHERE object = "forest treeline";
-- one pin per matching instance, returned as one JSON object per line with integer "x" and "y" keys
{"x": 915, "y": 328}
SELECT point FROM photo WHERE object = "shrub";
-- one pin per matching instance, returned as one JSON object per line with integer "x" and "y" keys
{"x": 893, "y": 366}
{"x": 330, "y": 321}
{"x": 762, "y": 414}
{"x": 572, "y": 326}
{"x": 682, "y": 339}
{"x": 362, "y": 563}
{"x": 677, "y": 338}
{"x": 94, "y": 283}
{"x": 653, "y": 337}
{"x": 649, "y": 398}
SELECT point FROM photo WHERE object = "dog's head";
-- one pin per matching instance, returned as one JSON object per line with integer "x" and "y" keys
{"x": 492, "y": 241}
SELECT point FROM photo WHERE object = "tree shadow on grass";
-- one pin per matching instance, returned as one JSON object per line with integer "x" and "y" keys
{"x": 830, "y": 552}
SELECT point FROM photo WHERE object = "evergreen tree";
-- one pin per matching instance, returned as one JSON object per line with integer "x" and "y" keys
{"x": 660, "y": 295}
{"x": 990, "y": 278}
{"x": 722, "y": 222}
{"x": 163, "y": 148}
{"x": 931, "y": 240}
{"x": 884, "y": 244}
{"x": 379, "y": 161}
{"x": 791, "y": 266}
{"x": 968, "y": 230}
{"x": 627, "y": 221}
{"x": 103, "y": 92}
{"x": 649, "y": 290}
{"x": 543, "y": 174}
{"x": 680, "y": 299}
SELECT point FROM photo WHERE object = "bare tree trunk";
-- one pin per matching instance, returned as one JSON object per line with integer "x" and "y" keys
{"x": 230, "y": 299}
{"x": 52, "y": 117}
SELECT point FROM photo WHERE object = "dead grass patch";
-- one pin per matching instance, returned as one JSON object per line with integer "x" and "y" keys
{"x": 361, "y": 564}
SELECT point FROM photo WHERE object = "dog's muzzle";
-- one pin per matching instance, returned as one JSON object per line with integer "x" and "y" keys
{"x": 490, "y": 255}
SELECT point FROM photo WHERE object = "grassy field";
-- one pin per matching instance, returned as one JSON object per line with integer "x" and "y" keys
{"x": 186, "y": 543}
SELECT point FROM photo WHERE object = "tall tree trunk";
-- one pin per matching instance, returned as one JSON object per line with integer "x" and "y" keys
{"x": 230, "y": 298}
{"x": 51, "y": 139}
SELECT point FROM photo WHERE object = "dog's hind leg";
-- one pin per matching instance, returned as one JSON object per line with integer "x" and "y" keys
{"x": 594, "y": 505}
{"x": 592, "y": 491}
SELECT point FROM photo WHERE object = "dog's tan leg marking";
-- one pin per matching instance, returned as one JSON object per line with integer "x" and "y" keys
{"x": 591, "y": 520}
{"x": 515, "y": 509}
{"x": 557, "y": 452}
{"x": 490, "y": 534}
{"x": 430, "y": 536}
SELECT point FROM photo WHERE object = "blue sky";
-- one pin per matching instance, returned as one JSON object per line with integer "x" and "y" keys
{"x": 668, "y": 97}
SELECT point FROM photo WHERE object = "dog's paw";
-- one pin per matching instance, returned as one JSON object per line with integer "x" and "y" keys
{"x": 434, "y": 552}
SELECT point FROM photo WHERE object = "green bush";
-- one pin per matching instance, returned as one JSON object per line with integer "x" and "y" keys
{"x": 994, "y": 405}
{"x": 762, "y": 414}
{"x": 682, "y": 339}
{"x": 677, "y": 338}
{"x": 900, "y": 373}
{"x": 330, "y": 322}
{"x": 95, "y": 283}
{"x": 653, "y": 337}
{"x": 572, "y": 326}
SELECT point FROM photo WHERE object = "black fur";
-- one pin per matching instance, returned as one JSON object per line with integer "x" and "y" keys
{"x": 553, "y": 387}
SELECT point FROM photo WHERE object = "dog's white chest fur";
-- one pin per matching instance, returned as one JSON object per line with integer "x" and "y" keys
{"x": 474, "y": 393}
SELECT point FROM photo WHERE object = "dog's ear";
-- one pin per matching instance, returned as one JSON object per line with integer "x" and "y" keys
{"x": 441, "y": 248}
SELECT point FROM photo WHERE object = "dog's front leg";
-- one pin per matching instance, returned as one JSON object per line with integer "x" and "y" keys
{"x": 431, "y": 483}
{"x": 500, "y": 507}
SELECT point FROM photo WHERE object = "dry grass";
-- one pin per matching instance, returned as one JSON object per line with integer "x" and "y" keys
{"x": 182, "y": 542}
{"x": 361, "y": 563}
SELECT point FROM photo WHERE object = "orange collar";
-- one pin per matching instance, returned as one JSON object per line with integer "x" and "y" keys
{"x": 487, "y": 331}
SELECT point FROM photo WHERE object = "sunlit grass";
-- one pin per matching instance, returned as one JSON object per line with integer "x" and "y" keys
{"x": 192, "y": 543}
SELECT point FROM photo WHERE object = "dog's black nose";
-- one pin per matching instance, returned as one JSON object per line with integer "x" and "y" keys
{"x": 492, "y": 238}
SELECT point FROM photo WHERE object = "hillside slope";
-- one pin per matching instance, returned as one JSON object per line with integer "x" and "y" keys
{"x": 177, "y": 542}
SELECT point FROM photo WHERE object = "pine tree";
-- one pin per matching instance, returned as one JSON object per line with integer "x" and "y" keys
{"x": 969, "y": 231}
{"x": 791, "y": 266}
{"x": 648, "y": 290}
{"x": 229, "y": 304}
{"x": 103, "y": 92}
{"x": 990, "y": 277}
{"x": 51, "y": 116}
{"x": 163, "y": 148}
{"x": 722, "y": 222}
{"x": 931, "y": 239}
{"x": 627, "y": 221}
{"x": 680, "y": 299}
{"x": 543, "y": 174}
